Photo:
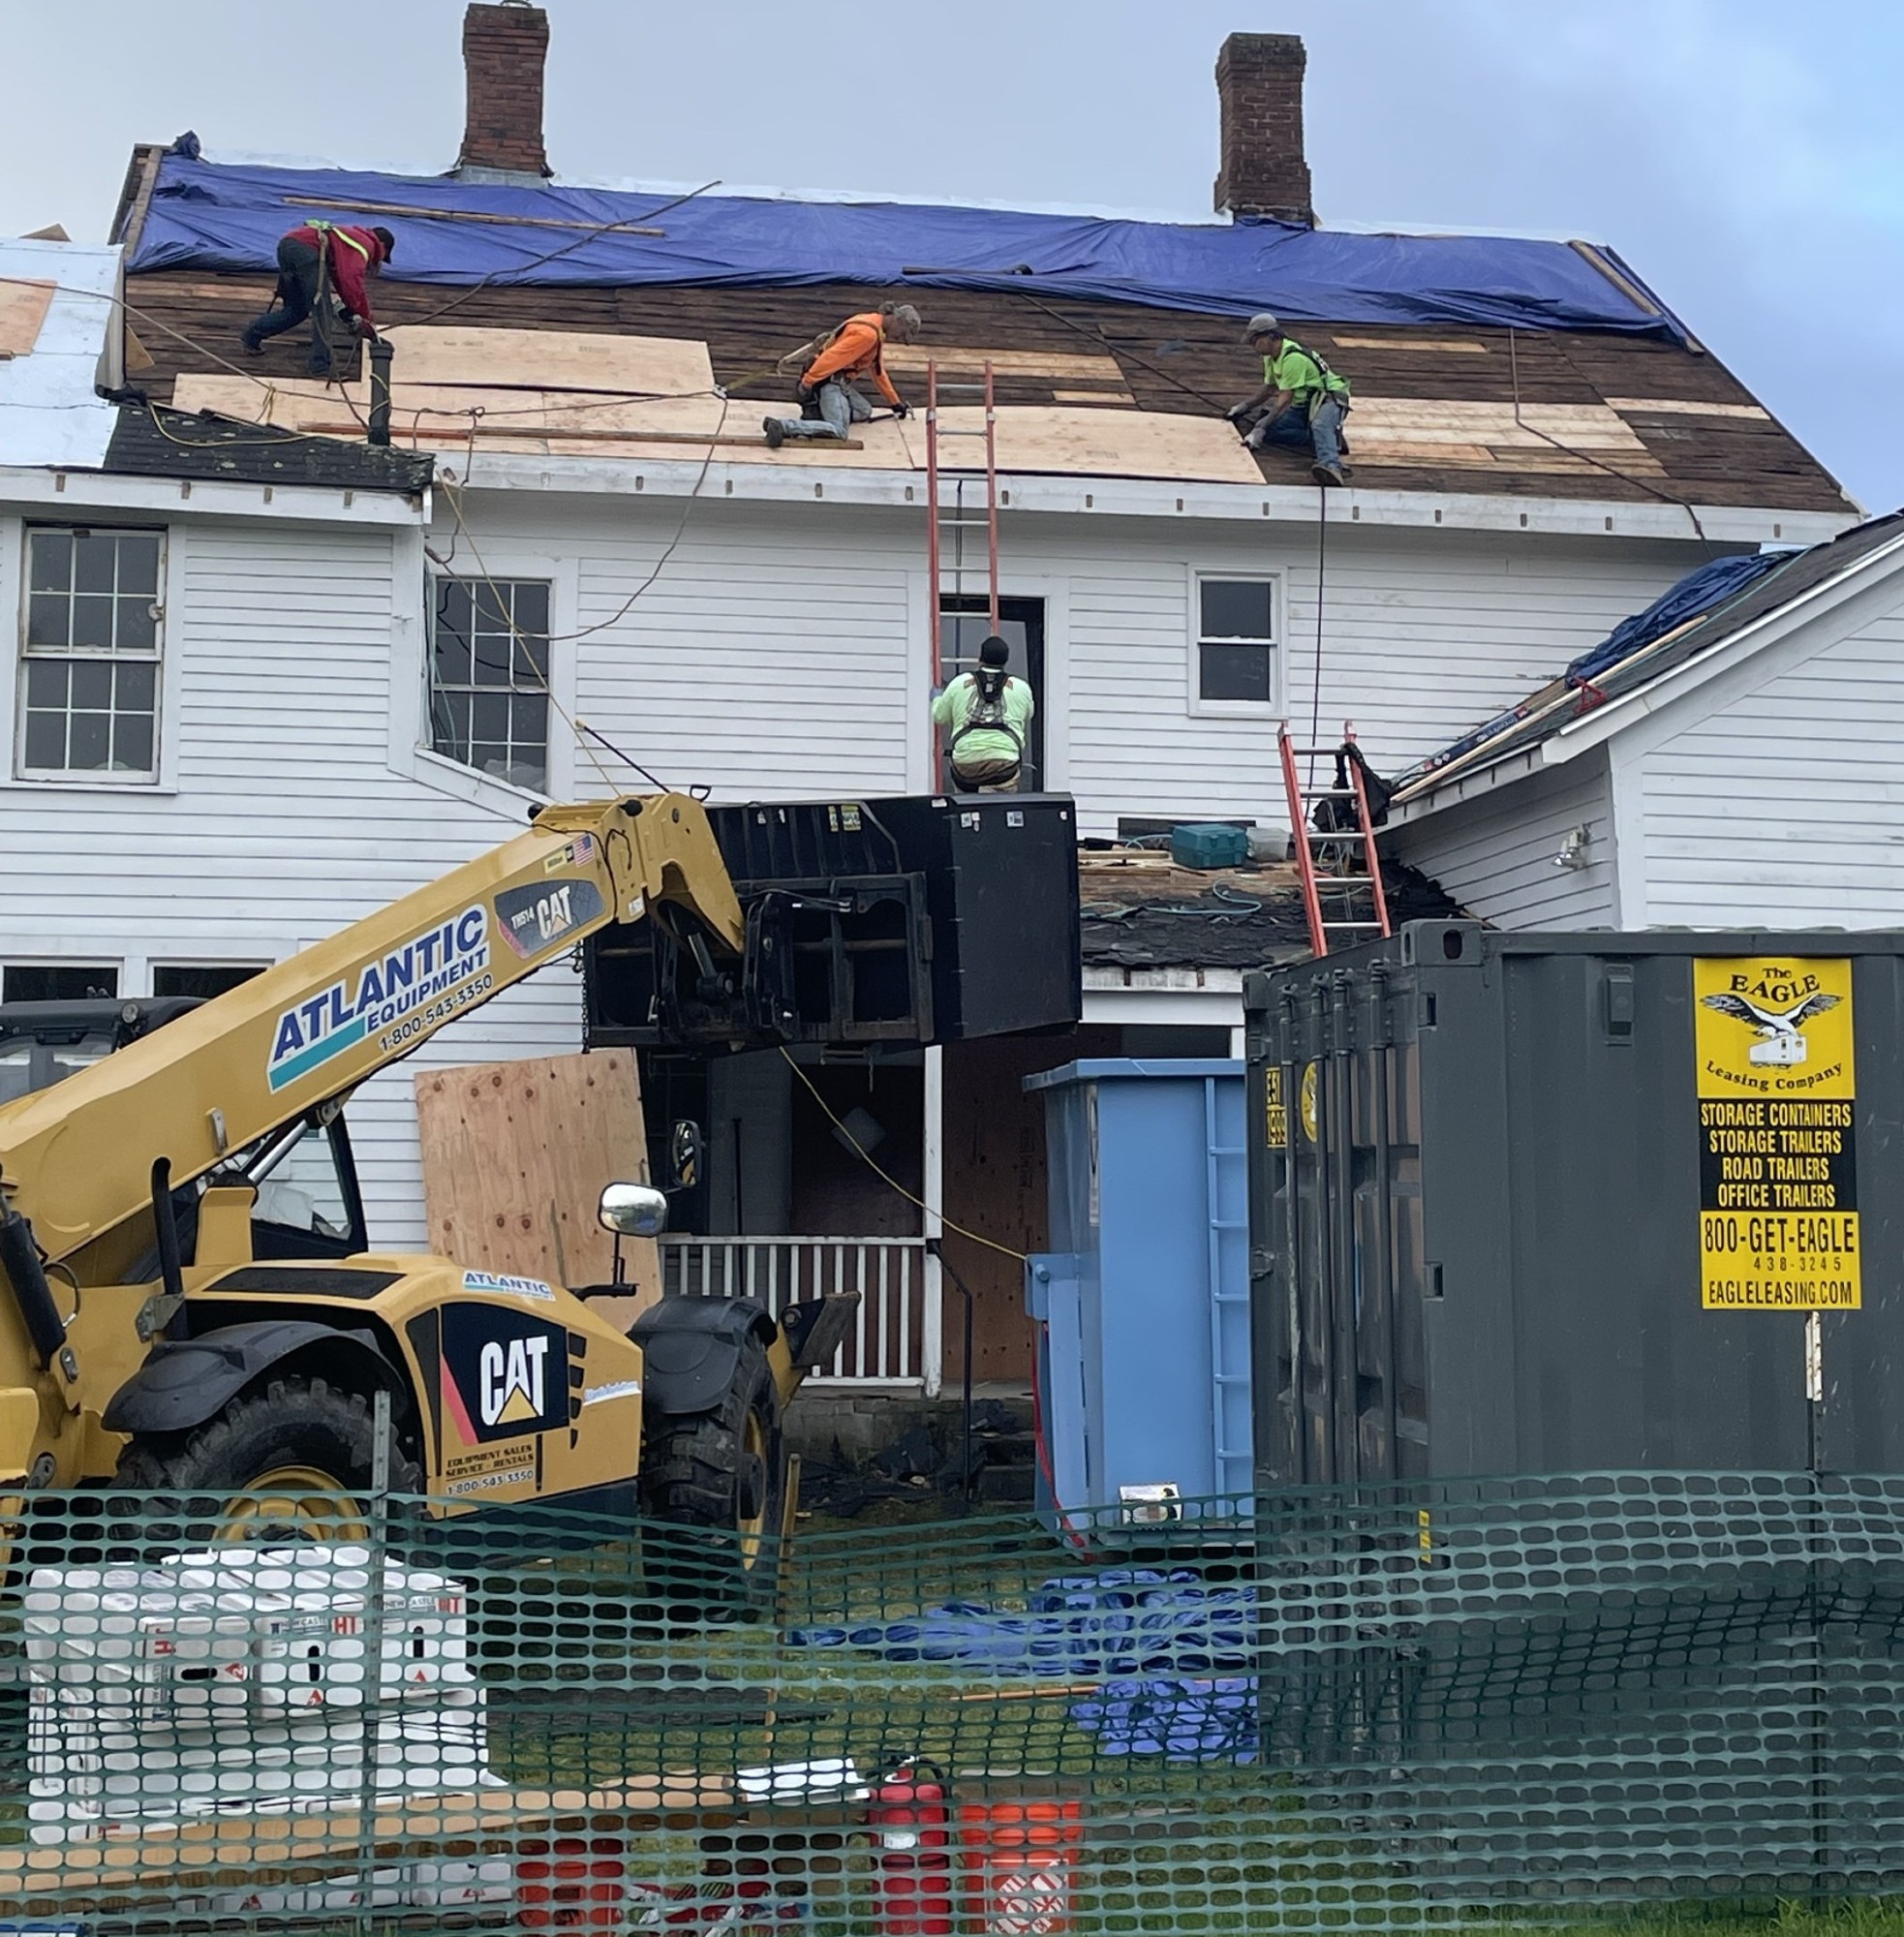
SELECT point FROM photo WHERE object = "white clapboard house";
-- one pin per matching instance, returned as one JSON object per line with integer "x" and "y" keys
{"x": 269, "y": 676}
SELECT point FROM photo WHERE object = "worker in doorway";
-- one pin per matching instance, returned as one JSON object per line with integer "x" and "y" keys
{"x": 829, "y": 389}
{"x": 987, "y": 716}
{"x": 1301, "y": 403}
{"x": 315, "y": 262}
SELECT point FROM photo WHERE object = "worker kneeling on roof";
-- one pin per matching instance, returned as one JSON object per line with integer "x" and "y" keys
{"x": 829, "y": 385}
{"x": 989, "y": 714}
{"x": 1301, "y": 403}
{"x": 315, "y": 262}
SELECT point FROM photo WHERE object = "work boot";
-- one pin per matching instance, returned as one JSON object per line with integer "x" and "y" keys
{"x": 775, "y": 432}
{"x": 253, "y": 348}
{"x": 1327, "y": 473}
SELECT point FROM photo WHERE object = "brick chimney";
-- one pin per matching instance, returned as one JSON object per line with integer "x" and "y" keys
{"x": 1259, "y": 85}
{"x": 505, "y": 46}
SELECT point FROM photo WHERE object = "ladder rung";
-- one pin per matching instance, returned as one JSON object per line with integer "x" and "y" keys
{"x": 1351, "y": 924}
{"x": 1327, "y": 881}
{"x": 1335, "y": 833}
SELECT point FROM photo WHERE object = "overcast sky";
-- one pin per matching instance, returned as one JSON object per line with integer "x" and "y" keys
{"x": 1746, "y": 156}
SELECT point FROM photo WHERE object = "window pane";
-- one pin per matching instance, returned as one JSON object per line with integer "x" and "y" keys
{"x": 529, "y": 771}
{"x": 92, "y": 622}
{"x": 491, "y": 616}
{"x": 46, "y": 682}
{"x": 138, "y": 631}
{"x": 134, "y": 685}
{"x": 48, "y": 616}
{"x": 531, "y": 664}
{"x": 531, "y": 608}
{"x": 51, "y": 568}
{"x": 93, "y": 564}
{"x": 528, "y": 720}
{"x": 28, "y": 982}
{"x": 90, "y": 748}
{"x": 1238, "y": 609}
{"x": 138, "y": 567}
{"x": 453, "y": 605}
{"x": 45, "y": 750}
{"x": 92, "y": 684}
{"x": 492, "y": 658}
{"x": 489, "y": 716}
{"x": 132, "y": 742}
{"x": 490, "y": 757}
{"x": 1236, "y": 672}
{"x": 205, "y": 980}
{"x": 453, "y": 658}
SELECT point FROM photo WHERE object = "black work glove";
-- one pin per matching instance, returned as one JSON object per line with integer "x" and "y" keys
{"x": 902, "y": 409}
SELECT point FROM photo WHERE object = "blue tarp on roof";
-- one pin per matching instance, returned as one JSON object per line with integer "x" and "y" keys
{"x": 208, "y": 216}
{"x": 1698, "y": 592}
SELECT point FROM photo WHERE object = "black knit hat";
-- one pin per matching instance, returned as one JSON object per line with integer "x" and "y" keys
{"x": 994, "y": 652}
{"x": 387, "y": 241}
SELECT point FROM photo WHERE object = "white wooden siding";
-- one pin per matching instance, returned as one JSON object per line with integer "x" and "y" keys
{"x": 1786, "y": 808}
{"x": 1495, "y": 855}
{"x": 287, "y": 822}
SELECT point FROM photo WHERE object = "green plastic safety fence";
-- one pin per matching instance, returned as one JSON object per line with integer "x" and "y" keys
{"x": 1504, "y": 1705}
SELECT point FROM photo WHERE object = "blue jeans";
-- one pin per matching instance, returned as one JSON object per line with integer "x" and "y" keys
{"x": 1295, "y": 428}
{"x": 841, "y": 407}
{"x": 300, "y": 295}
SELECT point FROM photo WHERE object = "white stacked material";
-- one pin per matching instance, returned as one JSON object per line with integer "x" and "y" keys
{"x": 236, "y": 1679}
{"x": 430, "y": 1883}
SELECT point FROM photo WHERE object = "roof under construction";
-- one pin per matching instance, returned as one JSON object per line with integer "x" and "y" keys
{"x": 1491, "y": 366}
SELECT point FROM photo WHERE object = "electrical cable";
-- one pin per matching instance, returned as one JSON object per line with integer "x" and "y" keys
{"x": 885, "y": 1177}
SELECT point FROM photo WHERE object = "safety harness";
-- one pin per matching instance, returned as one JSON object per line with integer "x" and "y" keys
{"x": 988, "y": 713}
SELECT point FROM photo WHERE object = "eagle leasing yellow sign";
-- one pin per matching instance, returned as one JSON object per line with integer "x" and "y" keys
{"x": 1777, "y": 1156}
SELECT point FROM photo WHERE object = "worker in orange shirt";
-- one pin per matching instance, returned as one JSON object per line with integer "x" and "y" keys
{"x": 829, "y": 385}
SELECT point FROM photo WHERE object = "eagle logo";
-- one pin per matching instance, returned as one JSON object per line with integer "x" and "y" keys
{"x": 1778, "y": 1030}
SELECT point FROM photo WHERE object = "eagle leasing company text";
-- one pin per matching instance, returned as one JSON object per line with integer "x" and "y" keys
{"x": 1777, "y": 1141}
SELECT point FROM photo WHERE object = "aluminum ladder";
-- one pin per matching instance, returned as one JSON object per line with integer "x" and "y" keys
{"x": 951, "y": 521}
{"x": 1358, "y": 908}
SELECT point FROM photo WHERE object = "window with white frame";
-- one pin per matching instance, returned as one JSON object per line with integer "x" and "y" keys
{"x": 89, "y": 656}
{"x": 203, "y": 979}
{"x": 489, "y": 676}
{"x": 58, "y": 982}
{"x": 1237, "y": 640}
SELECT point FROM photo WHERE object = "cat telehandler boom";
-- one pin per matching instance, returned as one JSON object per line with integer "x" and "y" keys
{"x": 188, "y": 1297}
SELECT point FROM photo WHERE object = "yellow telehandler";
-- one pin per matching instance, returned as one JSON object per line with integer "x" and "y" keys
{"x": 195, "y": 1307}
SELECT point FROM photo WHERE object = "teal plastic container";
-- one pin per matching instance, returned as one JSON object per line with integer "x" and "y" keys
{"x": 1209, "y": 845}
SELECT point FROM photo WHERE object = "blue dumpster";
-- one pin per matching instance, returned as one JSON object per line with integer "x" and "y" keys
{"x": 1143, "y": 1302}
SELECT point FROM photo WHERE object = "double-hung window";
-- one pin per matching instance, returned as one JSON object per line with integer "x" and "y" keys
{"x": 489, "y": 676}
{"x": 89, "y": 658}
{"x": 1237, "y": 640}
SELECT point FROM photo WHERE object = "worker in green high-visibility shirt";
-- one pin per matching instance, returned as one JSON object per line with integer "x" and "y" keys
{"x": 1301, "y": 403}
{"x": 986, "y": 717}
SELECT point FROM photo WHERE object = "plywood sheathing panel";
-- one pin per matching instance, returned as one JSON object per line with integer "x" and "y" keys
{"x": 1170, "y": 361}
{"x": 911, "y": 359}
{"x": 658, "y": 366}
{"x": 514, "y": 1158}
{"x": 23, "y": 307}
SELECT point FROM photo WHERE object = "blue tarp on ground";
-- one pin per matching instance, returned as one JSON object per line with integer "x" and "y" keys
{"x": 1124, "y": 1622}
{"x": 210, "y": 216}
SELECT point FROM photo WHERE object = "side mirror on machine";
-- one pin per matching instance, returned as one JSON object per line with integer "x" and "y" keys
{"x": 632, "y": 1210}
{"x": 684, "y": 1149}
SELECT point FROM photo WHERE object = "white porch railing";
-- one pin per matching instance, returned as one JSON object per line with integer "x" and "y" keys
{"x": 891, "y": 1341}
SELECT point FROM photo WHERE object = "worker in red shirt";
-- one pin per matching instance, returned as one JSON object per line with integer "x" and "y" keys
{"x": 829, "y": 384}
{"x": 321, "y": 254}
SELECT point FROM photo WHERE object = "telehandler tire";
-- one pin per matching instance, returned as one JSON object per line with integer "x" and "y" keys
{"x": 295, "y": 1460}
{"x": 722, "y": 1472}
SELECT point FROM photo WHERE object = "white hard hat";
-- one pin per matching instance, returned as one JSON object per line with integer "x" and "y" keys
{"x": 1262, "y": 323}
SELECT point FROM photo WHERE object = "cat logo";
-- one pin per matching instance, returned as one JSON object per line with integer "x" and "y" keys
{"x": 512, "y": 1380}
{"x": 506, "y": 1373}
